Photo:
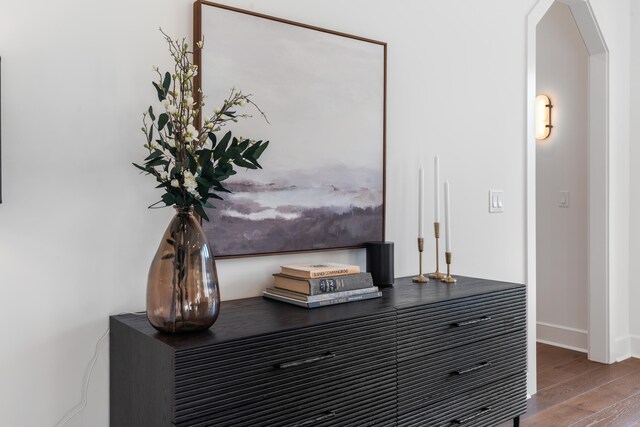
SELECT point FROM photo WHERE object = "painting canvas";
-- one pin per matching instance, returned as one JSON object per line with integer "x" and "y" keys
{"x": 322, "y": 182}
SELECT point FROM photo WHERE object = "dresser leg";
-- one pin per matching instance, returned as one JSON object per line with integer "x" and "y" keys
{"x": 516, "y": 421}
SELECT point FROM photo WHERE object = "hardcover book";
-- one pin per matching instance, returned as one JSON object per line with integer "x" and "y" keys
{"x": 311, "y": 271}
{"x": 323, "y": 285}
{"x": 321, "y": 297}
{"x": 314, "y": 304}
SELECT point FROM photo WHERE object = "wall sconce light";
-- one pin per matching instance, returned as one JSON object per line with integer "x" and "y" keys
{"x": 543, "y": 117}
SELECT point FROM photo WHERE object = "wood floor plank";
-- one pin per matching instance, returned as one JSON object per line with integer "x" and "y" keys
{"x": 565, "y": 371}
{"x": 583, "y": 393}
{"x": 627, "y": 386}
{"x": 583, "y": 406}
{"x": 622, "y": 414}
{"x": 558, "y": 416}
{"x": 578, "y": 385}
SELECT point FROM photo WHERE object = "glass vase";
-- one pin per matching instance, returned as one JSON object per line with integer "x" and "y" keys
{"x": 182, "y": 288}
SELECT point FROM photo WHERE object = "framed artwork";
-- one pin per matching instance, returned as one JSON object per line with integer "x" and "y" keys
{"x": 322, "y": 185}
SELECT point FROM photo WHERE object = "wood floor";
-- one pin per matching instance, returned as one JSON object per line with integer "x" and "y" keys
{"x": 573, "y": 391}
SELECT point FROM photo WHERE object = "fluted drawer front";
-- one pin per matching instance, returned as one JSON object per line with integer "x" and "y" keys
{"x": 481, "y": 407}
{"x": 281, "y": 370}
{"x": 421, "y": 381}
{"x": 369, "y": 400}
{"x": 437, "y": 327}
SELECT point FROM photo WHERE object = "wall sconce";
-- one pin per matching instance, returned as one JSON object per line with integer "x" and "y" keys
{"x": 543, "y": 117}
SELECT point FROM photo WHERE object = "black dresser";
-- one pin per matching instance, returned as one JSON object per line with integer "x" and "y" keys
{"x": 422, "y": 355}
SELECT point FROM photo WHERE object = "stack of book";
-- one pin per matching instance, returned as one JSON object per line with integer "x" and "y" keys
{"x": 318, "y": 285}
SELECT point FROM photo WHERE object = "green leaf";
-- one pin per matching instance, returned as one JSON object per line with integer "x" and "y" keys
{"x": 204, "y": 182}
{"x": 168, "y": 199}
{"x": 191, "y": 165}
{"x": 156, "y": 162}
{"x": 232, "y": 153}
{"x": 243, "y": 145}
{"x": 260, "y": 150}
{"x": 163, "y": 120}
{"x": 221, "y": 148}
{"x": 249, "y": 151}
{"x": 200, "y": 211}
{"x": 161, "y": 93}
{"x": 153, "y": 117}
{"x": 214, "y": 196}
{"x": 154, "y": 155}
{"x": 254, "y": 161}
{"x": 167, "y": 82}
{"x": 204, "y": 156}
{"x": 212, "y": 137}
{"x": 244, "y": 164}
{"x": 140, "y": 167}
{"x": 220, "y": 188}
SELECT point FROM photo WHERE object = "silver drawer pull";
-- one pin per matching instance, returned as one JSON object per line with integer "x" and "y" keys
{"x": 472, "y": 369}
{"x": 318, "y": 419}
{"x": 471, "y": 417}
{"x": 471, "y": 322}
{"x": 314, "y": 359}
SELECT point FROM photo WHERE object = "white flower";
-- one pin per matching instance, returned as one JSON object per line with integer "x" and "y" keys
{"x": 207, "y": 119}
{"x": 190, "y": 183}
{"x": 199, "y": 44}
{"x": 210, "y": 125}
{"x": 172, "y": 109}
{"x": 154, "y": 68}
{"x": 164, "y": 175}
{"x": 241, "y": 102}
{"x": 190, "y": 133}
{"x": 188, "y": 101}
{"x": 166, "y": 103}
{"x": 153, "y": 145}
{"x": 175, "y": 183}
{"x": 217, "y": 111}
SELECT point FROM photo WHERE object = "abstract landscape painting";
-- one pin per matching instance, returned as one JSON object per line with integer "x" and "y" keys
{"x": 322, "y": 182}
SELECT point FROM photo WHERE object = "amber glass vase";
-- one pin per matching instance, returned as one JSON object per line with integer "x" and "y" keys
{"x": 182, "y": 289}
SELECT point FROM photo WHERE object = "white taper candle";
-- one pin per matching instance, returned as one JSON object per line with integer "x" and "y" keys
{"x": 436, "y": 188}
{"x": 447, "y": 217}
{"x": 421, "y": 203}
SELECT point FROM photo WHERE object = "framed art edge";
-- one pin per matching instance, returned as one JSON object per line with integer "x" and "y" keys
{"x": 197, "y": 58}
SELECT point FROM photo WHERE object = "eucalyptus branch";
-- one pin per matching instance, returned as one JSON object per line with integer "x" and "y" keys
{"x": 188, "y": 168}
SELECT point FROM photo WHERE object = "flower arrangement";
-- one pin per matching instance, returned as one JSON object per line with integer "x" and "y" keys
{"x": 189, "y": 161}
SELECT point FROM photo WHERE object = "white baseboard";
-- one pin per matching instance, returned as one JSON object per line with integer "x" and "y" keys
{"x": 622, "y": 350}
{"x": 562, "y": 336}
{"x": 635, "y": 345}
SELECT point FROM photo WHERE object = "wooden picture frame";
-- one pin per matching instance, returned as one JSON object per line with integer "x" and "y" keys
{"x": 323, "y": 186}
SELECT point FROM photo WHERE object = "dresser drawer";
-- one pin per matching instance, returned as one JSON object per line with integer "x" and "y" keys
{"x": 367, "y": 401}
{"x": 481, "y": 407}
{"x": 278, "y": 371}
{"x": 432, "y": 328}
{"x": 421, "y": 381}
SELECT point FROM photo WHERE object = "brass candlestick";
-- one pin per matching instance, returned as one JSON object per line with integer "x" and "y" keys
{"x": 437, "y": 275}
{"x": 448, "y": 279}
{"x": 421, "y": 278}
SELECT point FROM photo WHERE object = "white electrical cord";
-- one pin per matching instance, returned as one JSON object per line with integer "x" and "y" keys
{"x": 87, "y": 377}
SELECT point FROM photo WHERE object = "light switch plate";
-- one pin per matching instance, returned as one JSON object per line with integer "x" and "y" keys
{"x": 496, "y": 201}
{"x": 564, "y": 199}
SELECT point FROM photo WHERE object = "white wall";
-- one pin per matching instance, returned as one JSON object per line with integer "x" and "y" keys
{"x": 561, "y": 165}
{"x": 634, "y": 284}
{"x": 76, "y": 239}
{"x": 614, "y": 21}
